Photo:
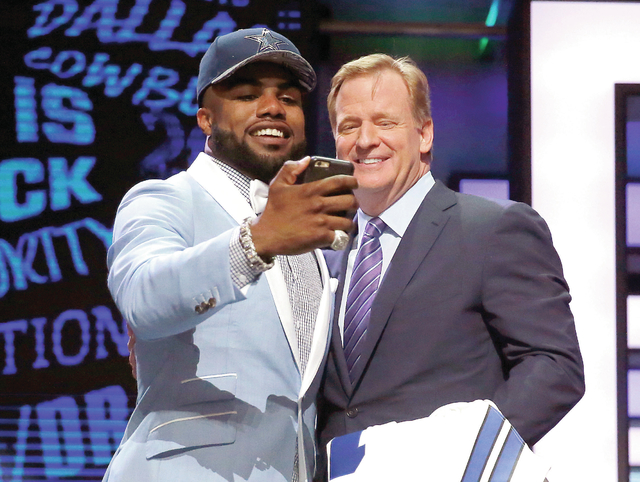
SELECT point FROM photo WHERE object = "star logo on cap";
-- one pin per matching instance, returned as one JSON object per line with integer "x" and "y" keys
{"x": 267, "y": 41}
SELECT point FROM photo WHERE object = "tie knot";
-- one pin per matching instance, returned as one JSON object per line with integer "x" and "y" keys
{"x": 374, "y": 228}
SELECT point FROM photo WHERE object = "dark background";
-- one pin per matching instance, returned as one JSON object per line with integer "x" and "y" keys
{"x": 49, "y": 324}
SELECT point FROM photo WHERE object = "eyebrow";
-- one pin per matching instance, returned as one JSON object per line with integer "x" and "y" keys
{"x": 376, "y": 116}
{"x": 348, "y": 118}
{"x": 239, "y": 80}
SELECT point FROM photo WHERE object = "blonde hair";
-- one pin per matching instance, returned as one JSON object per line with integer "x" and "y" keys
{"x": 414, "y": 79}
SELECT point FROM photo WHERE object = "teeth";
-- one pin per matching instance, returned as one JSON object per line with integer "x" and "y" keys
{"x": 370, "y": 161}
{"x": 269, "y": 132}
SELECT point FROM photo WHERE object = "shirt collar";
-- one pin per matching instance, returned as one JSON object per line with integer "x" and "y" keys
{"x": 398, "y": 216}
{"x": 253, "y": 190}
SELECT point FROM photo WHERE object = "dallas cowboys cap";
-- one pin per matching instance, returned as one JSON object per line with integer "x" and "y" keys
{"x": 230, "y": 52}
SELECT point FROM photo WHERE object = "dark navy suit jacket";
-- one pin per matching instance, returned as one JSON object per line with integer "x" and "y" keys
{"x": 473, "y": 306}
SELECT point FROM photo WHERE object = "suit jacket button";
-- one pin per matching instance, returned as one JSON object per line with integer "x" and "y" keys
{"x": 353, "y": 412}
{"x": 202, "y": 307}
{"x": 211, "y": 303}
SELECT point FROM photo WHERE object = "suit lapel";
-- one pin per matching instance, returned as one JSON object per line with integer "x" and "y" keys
{"x": 220, "y": 187}
{"x": 322, "y": 327}
{"x": 337, "y": 262}
{"x": 423, "y": 231}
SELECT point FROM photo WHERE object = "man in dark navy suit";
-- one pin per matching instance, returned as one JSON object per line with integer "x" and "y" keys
{"x": 467, "y": 300}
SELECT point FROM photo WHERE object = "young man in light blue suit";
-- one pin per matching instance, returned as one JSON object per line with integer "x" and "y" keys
{"x": 226, "y": 292}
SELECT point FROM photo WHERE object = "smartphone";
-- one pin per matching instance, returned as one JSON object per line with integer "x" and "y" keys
{"x": 322, "y": 167}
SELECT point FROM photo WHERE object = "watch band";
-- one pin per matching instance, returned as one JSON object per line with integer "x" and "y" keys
{"x": 256, "y": 262}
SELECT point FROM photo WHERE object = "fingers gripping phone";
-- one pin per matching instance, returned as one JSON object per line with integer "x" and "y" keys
{"x": 323, "y": 167}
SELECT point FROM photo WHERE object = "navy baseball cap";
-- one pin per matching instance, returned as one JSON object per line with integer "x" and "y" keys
{"x": 230, "y": 52}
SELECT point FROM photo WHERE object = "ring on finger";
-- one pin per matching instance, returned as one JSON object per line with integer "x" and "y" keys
{"x": 340, "y": 240}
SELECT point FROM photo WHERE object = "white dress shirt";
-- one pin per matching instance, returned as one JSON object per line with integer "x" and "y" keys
{"x": 397, "y": 218}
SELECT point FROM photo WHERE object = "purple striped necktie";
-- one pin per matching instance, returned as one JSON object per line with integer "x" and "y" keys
{"x": 365, "y": 279}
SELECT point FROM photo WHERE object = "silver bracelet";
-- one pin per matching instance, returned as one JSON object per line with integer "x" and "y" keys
{"x": 256, "y": 263}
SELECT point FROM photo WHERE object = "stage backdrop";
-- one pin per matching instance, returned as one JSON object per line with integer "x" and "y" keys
{"x": 96, "y": 95}
{"x": 580, "y": 52}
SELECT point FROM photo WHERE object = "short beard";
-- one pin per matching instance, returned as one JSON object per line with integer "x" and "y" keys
{"x": 226, "y": 147}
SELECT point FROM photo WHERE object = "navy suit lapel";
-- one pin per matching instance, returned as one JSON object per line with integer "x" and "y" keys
{"x": 422, "y": 233}
{"x": 337, "y": 263}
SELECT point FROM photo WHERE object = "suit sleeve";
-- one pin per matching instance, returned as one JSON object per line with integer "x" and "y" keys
{"x": 157, "y": 274}
{"x": 526, "y": 303}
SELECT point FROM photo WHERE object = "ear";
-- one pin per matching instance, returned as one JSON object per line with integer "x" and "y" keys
{"x": 426, "y": 132}
{"x": 205, "y": 120}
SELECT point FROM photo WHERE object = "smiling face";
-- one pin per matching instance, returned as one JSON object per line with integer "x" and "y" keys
{"x": 255, "y": 119}
{"x": 376, "y": 130}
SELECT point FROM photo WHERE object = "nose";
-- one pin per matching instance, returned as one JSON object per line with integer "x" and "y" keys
{"x": 367, "y": 136}
{"x": 269, "y": 105}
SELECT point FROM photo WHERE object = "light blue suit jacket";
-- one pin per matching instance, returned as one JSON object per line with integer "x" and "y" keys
{"x": 219, "y": 392}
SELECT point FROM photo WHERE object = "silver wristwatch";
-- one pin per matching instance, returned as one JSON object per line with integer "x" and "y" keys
{"x": 256, "y": 263}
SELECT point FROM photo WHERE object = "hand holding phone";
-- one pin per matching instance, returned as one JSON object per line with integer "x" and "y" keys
{"x": 309, "y": 214}
{"x": 323, "y": 167}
